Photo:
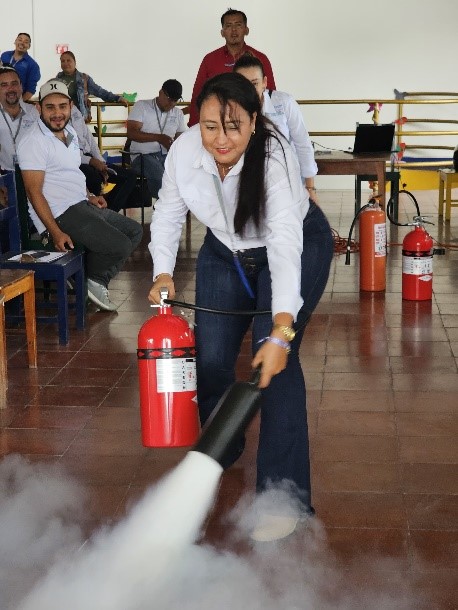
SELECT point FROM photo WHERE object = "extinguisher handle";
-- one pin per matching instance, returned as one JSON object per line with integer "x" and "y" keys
{"x": 256, "y": 376}
{"x": 164, "y": 292}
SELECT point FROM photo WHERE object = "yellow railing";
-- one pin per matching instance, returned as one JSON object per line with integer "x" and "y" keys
{"x": 114, "y": 128}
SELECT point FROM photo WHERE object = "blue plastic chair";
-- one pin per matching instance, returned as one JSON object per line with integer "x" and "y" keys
{"x": 71, "y": 265}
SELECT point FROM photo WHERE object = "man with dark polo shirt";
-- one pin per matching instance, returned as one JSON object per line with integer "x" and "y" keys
{"x": 234, "y": 29}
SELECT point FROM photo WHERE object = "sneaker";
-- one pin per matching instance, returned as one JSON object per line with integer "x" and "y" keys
{"x": 98, "y": 294}
{"x": 273, "y": 527}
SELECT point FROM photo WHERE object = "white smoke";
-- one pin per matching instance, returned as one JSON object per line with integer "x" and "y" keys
{"x": 150, "y": 559}
{"x": 39, "y": 514}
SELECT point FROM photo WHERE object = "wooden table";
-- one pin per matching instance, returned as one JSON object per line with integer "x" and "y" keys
{"x": 346, "y": 164}
{"x": 447, "y": 179}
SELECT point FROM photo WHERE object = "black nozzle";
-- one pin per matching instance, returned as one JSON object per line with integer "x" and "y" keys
{"x": 439, "y": 251}
{"x": 347, "y": 257}
{"x": 231, "y": 417}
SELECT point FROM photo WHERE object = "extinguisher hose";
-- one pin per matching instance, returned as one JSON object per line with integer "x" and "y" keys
{"x": 348, "y": 251}
{"x": 389, "y": 208}
{"x": 239, "y": 312}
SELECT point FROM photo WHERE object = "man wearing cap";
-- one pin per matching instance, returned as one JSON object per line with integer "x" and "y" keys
{"x": 152, "y": 126}
{"x": 59, "y": 203}
{"x": 25, "y": 66}
{"x": 16, "y": 117}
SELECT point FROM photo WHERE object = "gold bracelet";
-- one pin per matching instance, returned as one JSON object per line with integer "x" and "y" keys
{"x": 287, "y": 331}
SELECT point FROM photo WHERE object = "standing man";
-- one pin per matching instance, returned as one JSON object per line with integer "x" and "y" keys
{"x": 25, "y": 66}
{"x": 16, "y": 117}
{"x": 234, "y": 29}
{"x": 59, "y": 204}
{"x": 152, "y": 126}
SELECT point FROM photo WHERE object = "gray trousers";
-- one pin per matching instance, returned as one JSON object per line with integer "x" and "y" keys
{"x": 109, "y": 238}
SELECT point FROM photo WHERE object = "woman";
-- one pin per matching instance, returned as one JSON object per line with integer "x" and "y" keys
{"x": 81, "y": 86}
{"x": 241, "y": 179}
{"x": 283, "y": 110}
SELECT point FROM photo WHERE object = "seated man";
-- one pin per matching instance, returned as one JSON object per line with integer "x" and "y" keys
{"x": 16, "y": 116}
{"x": 152, "y": 126}
{"x": 97, "y": 171}
{"x": 59, "y": 203}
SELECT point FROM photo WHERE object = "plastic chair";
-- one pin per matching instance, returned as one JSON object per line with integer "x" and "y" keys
{"x": 71, "y": 265}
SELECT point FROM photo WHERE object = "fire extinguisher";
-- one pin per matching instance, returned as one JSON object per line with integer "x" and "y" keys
{"x": 417, "y": 263}
{"x": 372, "y": 247}
{"x": 167, "y": 373}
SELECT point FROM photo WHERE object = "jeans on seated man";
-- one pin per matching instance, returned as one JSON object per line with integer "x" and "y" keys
{"x": 49, "y": 158}
{"x": 152, "y": 127}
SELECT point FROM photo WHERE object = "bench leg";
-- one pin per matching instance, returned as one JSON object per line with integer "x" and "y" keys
{"x": 62, "y": 309}
{"x": 448, "y": 199}
{"x": 441, "y": 197}
{"x": 31, "y": 324}
{"x": 3, "y": 376}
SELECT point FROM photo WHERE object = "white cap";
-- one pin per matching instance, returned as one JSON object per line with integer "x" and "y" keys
{"x": 53, "y": 86}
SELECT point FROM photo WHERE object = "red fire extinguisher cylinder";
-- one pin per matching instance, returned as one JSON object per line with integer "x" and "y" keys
{"x": 167, "y": 374}
{"x": 417, "y": 265}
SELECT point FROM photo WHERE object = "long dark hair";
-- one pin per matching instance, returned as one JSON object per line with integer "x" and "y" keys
{"x": 233, "y": 87}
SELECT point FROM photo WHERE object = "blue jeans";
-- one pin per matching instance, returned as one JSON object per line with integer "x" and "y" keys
{"x": 283, "y": 451}
{"x": 153, "y": 170}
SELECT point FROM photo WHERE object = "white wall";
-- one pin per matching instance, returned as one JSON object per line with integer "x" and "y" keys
{"x": 319, "y": 50}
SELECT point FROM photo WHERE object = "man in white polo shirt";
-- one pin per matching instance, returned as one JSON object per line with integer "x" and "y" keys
{"x": 16, "y": 117}
{"x": 152, "y": 126}
{"x": 49, "y": 158}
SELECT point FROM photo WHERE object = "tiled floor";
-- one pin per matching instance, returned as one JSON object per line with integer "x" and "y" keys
{"x": 382, "y": 405}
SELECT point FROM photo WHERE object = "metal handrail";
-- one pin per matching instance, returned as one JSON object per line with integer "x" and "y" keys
{"x": 400, "y": 132}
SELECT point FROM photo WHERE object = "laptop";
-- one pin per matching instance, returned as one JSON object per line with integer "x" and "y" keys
{"x": 373, "y": 139}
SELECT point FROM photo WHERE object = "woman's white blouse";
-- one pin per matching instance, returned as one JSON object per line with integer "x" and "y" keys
{"x": 188, "y": 184}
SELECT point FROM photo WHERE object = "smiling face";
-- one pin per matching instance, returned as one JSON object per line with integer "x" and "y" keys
{"x": 55, "y": 111}
{"x": 68, "y": 64}
{"x": 227, "y": 142}
{"x": 22, "y": 43}
{"x": 10, "y": 89}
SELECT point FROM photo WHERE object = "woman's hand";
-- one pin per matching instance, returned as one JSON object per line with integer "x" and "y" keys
{"x": 273, "y": 359}
{"x": 163, "y": 281}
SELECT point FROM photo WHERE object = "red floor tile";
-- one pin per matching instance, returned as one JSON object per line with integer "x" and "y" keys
{"x": 382, "y": 393}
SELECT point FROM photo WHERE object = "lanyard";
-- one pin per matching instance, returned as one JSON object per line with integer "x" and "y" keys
{"x": 13, "y": 137}
{"x": 235, "y": 254}
{"x": 161, "y": 127}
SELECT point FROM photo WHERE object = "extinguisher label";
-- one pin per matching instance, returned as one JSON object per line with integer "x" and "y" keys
{"x": 380, "y": 239}
{"x": 176, "y": 375}
{"x": 415, "y": 265}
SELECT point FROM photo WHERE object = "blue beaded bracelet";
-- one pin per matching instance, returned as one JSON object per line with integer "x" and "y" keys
{"x": 280, "y": 342}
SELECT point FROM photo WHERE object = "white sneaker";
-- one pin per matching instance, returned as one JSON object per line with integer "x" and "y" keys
{"x": 98, "y": 294}
{"x": 273, "y": 527}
